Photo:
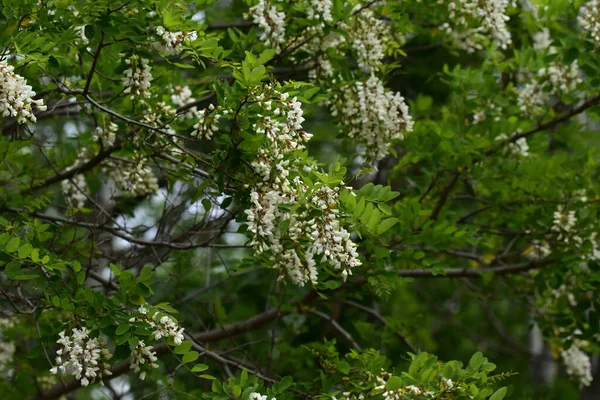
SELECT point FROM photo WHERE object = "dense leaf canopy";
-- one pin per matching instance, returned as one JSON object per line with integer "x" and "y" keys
{"x": 325, "y": 199}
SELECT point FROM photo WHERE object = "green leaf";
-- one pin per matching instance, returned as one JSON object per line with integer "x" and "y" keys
{"x": 386, "y": 224}
{"x": 25, "y": 250}
{"x": 394, "y": 383}
{"x": 146, "y": 273}
{"x": 13, "y": 244}
{"x": 121, "y": 329}
{"x": 499, "y": 394}
{"x": 189, "y": 357}
{"x": 200, "y": 368}
{"x": 209, "y": 377}
{"x": 184, "y": 347}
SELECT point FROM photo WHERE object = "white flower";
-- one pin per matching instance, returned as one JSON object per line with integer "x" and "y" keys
{"x": 107, "y": 135}
{"x": 578, "y": 365}
{"x": 180, "y": 96}
{"x": 372, "y": 115}
{"x": 556, "y": 80}
{"x": 367, "y": 39}
{"x": 16, "y": 96}
{"x": 137, "y": 78}
{"x": 320, "y": 9}
{"x": 142, "y": 355}
{"x": 271, "y": 21}
{"x": 166, "y": 327}
{"x": 134, "y": 179}
{"x": 81, "y": 357}
{"x": 7, "y": 352}
{"x": 478, "y": 20}
{"x": 589, "y": 19}
{"x": 564, "y": 224}
{"x": 542, "y": 40}
{"x": 172, "y": 41}
{"x": 448, "y": 383}
{"x": 518, "y": 147}
{"x": 74, "y": 190}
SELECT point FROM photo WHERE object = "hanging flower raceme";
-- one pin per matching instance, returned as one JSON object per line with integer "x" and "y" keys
{"x": 75, "y": 189}
{"x": 294, "y": 241}
{"x": 518, "y": 147}
{"x": 578, "y": 365}
{"x": 207, "y": 119}
{"x": 319, "y": 10}
{"x": 133, "y": 178}
{"x": 270, "y": 21}
{"x": 137, "y": 78}
{"x": 589, "y": 19}
{"x": 162, "y": 325}
{"x": 372, "y": 115}
{"x": 556, "y": 80}
{"x": 16, "y": 96}
{"x": 170, "y": 43}
{"x": 472, "y": 22}
{"x": 367, "y": 37}
{"x": 107, "y": 135}
{"x": 82, "y": 357}
{"x": 142, "y": 359}
{"x": 181, "y": 96}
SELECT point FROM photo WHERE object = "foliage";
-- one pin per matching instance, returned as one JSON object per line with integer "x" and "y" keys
{"x": 263, "y": 199}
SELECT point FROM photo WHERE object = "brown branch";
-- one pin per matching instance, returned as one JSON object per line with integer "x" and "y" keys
{"x": 475, "y": 272}
{"x": 205, "y": 337}
{"x": 444, "y": 196}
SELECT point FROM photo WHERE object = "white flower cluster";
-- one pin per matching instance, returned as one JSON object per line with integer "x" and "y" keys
{"x": 539, "y": 250}
{"x": 142, "y": 355}
{"x": 160, "y": 116}
{"x": 372, "y": 115}
{"x": 292, "y": 240}
{"x": 589, "y": 19}
{"x": 271, "y": 21}
{"x": 258, "y": 396}
{"x": 206, "y": 125}
{"x": 140, "y": 179}
{"x": 180, "y": 96}
{"x": 489, "y": 18}
{"x": 137, "y": 78}
{"x": 564, "y": 224}
{"x": 7, "y": 353}
{"x": 82, "y": 357}
{"x": 542, "y": 41}
{"x": 556, "y": 80}
{"x": 163, "y": 325}
{"x": 367, "y": 37}
{"x": 578, "y": 365}
{"x": 16, "y": 96}
{"x": 518, "y": 147}
{"x": 320, "y": 10}
{"x": 80, "y": 30}
{"x": 107, "y": 135}
{"x": 74, "y": 190}
{"x": 132, "y": 178}
{"x": 172, "y": 41}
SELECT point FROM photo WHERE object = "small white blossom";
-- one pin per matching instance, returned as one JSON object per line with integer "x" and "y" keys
{"x": 518, "y": 147}
{"x": 271, "y": 21}
{"x": 578, "y": 365}
{"x": 16, "y": 96}
{"x": 137, "y": 78}
{"x": 82, "y": 357}
{"x": 107, "y": 135}
{"x": 372, "y": 115}
{"x": 171, "y": 41}
{"x": 589, "y": 19}
{"x": 74, "y": 190}
{"x": 476, "y": 21}
{"x": 142, "y": 356}
{"x": 564, "y": 224}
